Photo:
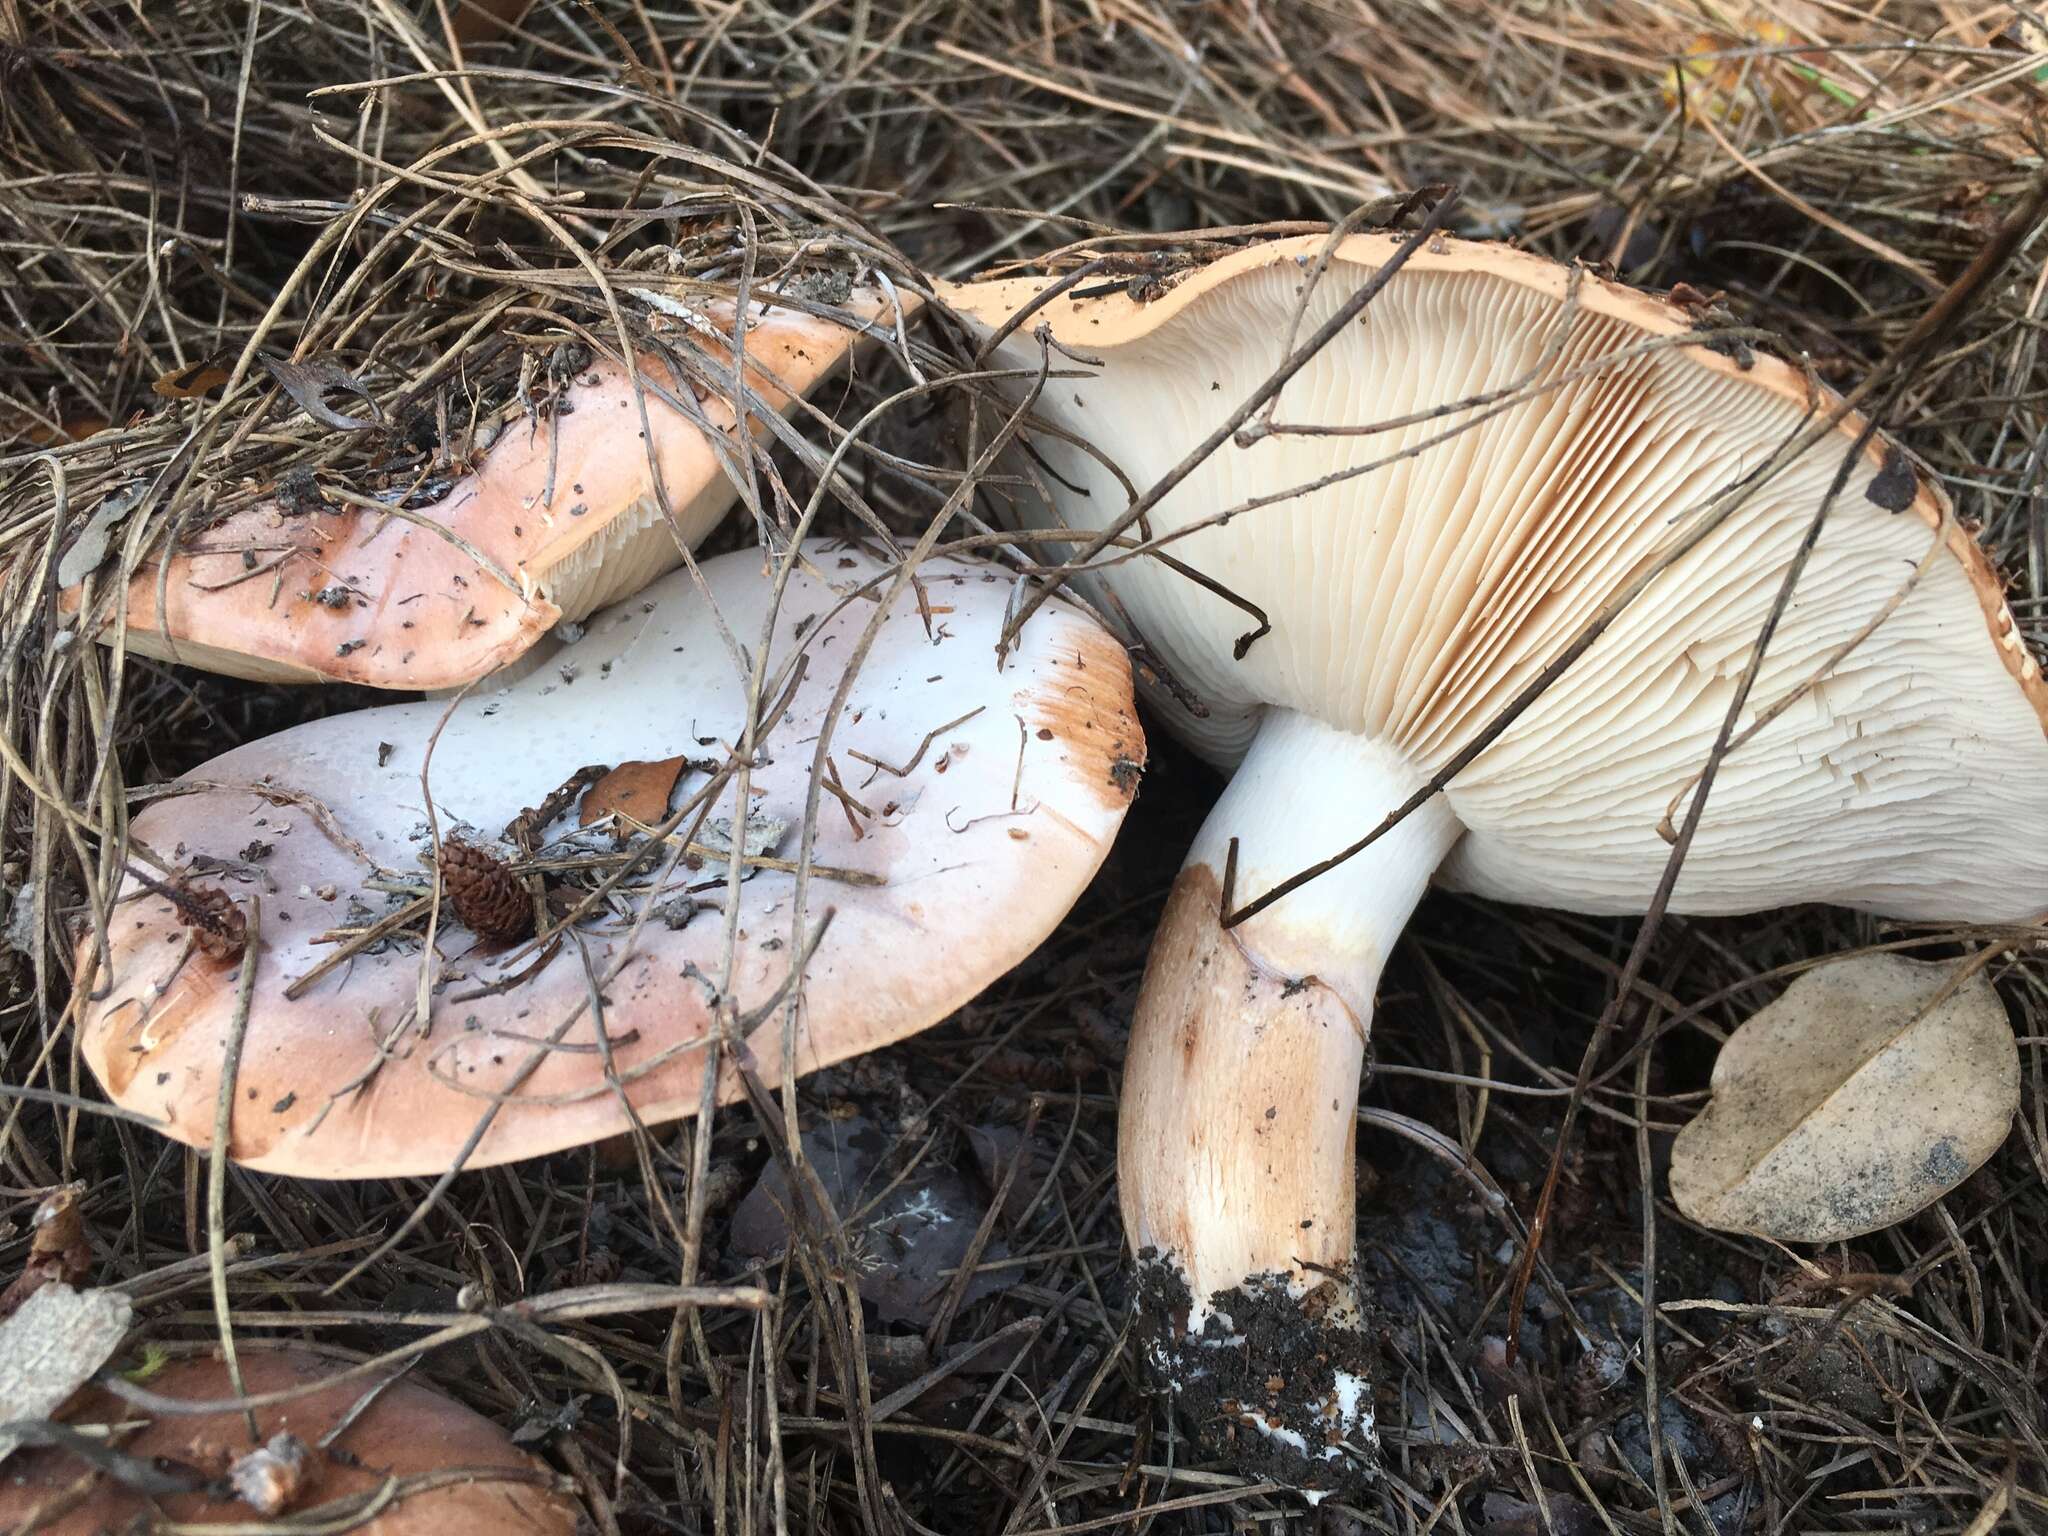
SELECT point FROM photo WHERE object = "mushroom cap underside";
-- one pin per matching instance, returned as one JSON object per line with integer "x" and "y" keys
{"x": 1543, "y": 439}
{"x": 963, "y": 810}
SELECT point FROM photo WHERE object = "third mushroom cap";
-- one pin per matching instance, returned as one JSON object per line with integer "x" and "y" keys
{"x": 438, "y": 581}
{"x": 380, "y": 1457}
{"x": 1495, "y": 451}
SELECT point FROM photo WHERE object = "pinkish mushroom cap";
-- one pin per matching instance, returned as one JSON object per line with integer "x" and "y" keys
{"x": 560, "y": 517}
{"x": 969, "y": 804}
{"x": 457, "y": 1473}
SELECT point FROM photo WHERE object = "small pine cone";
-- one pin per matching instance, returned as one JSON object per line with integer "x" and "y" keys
{"x": 488, "y": 897}
{"x": 216, "y": 922}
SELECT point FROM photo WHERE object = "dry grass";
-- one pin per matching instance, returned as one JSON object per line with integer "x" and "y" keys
{"x": 181, "y": 184}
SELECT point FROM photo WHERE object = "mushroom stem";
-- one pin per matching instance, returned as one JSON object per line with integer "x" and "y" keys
{"x": 1241, "y": 1087}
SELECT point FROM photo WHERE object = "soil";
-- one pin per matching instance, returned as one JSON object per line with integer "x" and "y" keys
{"x": 1266, "y": 1382}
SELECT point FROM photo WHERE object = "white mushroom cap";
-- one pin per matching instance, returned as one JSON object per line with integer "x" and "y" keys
{"x": 1540, "y": 439}
{"x": 561, "y": 516}
{"x": 978, "y": 803}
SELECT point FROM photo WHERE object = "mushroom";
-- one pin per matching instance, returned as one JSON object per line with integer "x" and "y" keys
{"x": 561, "y": 516}
{"x": 1501, "y": 448}
{"x": 424, "y": 1463}
{"x": 961, "y": 809}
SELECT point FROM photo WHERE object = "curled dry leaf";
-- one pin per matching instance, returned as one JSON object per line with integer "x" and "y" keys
{"x": 310, "y": 381}
{"x": 58, "y": 1252}
{"x": 195, "y": 378}
{"x": 1858, "y": 1098}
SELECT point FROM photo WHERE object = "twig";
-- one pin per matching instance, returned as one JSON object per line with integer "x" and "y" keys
{"x": 217, "y": 1164}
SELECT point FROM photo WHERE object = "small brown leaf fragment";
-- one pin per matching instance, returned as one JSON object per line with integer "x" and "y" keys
{"x": 71, "y": 429}
{"x": 635, "y": 792}
{"x": 58, "y": 1253}
{"x": 192, "y": 380}
{"x": 1857, "y": 1099}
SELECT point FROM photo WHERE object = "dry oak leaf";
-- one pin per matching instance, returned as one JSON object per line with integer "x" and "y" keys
{"x": 1857, "y": 1099}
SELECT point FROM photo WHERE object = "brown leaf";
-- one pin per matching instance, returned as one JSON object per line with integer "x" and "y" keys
{"x": 1852, "y": 1102}
{"x": 636, "y": 792}
{"x": 311, "y": 380}
{"x": 193, "y": 380}
{"x": 72, "y": 429}
{"x": 58, "y": 1253}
